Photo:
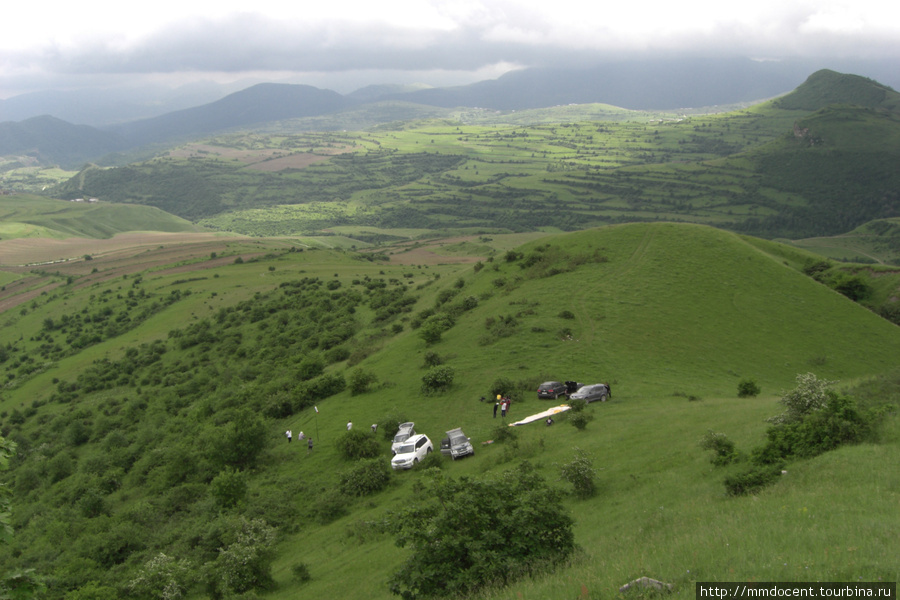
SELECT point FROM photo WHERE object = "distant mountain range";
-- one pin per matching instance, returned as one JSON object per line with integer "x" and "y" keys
{"x": 661, "y": 85}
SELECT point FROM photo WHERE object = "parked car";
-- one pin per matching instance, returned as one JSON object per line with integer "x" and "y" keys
{"x": 412, "y": 451}
{"x": 592, "y": 393}
{"x": 456, "y": 444}
{"x": 405, "y": 431}
{"x": 551, "y": 389}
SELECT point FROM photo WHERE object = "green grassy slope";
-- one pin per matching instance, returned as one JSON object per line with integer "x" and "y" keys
{"x": 662, "y": 311}
{"x": 36, "y": 216}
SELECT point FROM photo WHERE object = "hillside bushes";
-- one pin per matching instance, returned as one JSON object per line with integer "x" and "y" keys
{"x": 816, "y": 419}
{"x": 461, "y": 542}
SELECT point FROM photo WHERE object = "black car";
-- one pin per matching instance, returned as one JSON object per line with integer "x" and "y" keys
{"x": 552, "y": 389}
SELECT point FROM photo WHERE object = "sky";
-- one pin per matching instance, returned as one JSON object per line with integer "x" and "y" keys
{"x": 331, "y": 43}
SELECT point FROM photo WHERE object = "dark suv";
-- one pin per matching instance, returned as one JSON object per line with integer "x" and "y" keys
{"x": 552, "y": 389}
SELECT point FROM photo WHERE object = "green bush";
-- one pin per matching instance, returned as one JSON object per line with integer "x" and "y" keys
{"x": 724, "y": 451}
{"x": 433, "y": 359}
{"x": 360, "y": 380}
{"x": 504, "y": 433}
{"x": 578, "y": 405}
{"x": 579, "y": 420}
{"x": 460, "y": 542}
{"x": 748, "y": 388}
{"x": 581, "y": 474}
{"x": 300, "y": 572}
{"x": 437, "y": 380}
{"x": 390, "y": 425}
{"x": 228, "y": 488}
{"x": 367, "y": 477}
{"x": 751, "y": 480}
{"x": 502, "y": 386}
{"x": 357, "y": 444}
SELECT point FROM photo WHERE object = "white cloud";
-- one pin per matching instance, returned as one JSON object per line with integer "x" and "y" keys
{"x": 99, "y": 37}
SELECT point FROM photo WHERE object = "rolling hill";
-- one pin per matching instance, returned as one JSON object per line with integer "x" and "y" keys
{"x": 149, "y": 409}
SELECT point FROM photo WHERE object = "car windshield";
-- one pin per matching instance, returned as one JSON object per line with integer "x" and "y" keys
{"x": 401, "y": 437}
{"x": 406, "y": 449}
{"x": 455, "y": 440}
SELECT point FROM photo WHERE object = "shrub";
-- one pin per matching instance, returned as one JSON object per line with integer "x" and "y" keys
{"x": 434, "y": 326}
{"x": 579, "y": 420}
{"x": 724, "y": 450}
{"x": 578, "y": 405}
{"x": 310, "y": 367}
{"x": 162, "y": 577}
{"x": 837, "y": 422}
{"x": 437, "y": 380}
{"x": 566, "y": 314}
{"x": 580, "y": 473}
{"x": 502, "y": 386}
{"x": 357, "y": 444}
{"x": 503, "y": 433}
{"x": 228, "y": 488}
{"x": 360, "y": 381}
{"x": 367, "y": 477}
{"x": 748, "y": 388}
{"x": 460, "y": 542}
{"x": 433, "y": 359}
{"x": 808, "y": 397}
{"x": 246, "y": 563}
{"x": 390, "y": 425}
{"x": 301, "y": 573}
{"x": 329, "y": 506}
{"x": 751, "y": 480}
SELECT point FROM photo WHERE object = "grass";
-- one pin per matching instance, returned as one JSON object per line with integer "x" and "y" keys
{"x": 663, "y": 312}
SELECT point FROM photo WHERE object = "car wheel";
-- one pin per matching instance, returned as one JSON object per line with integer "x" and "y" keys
{"x": 416, "y": 461}
{"x": 428, "y": 451}
{"x": 603, "y": 398}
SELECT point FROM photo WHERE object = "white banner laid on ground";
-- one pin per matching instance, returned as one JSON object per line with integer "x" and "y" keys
{"x": 542, "y": 415}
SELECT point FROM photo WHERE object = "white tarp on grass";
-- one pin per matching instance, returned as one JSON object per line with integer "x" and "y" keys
{"x": 542, "y": 415}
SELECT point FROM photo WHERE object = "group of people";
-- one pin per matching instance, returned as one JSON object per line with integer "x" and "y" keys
{"x": 503, "y": 404}
{"x": 300, "y": 436}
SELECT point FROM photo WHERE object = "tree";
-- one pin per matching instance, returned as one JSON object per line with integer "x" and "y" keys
{"x": 245, "y": 563}
{"x": 469, "y": 533}
{"x": 162, "y": 577}
{"x": 809, "y": 396}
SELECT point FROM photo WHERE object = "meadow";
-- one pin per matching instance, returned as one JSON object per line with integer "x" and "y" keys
{"x": 130, "y": 429}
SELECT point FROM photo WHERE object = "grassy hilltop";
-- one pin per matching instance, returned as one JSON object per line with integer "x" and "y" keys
{"x": 149, "y": 407}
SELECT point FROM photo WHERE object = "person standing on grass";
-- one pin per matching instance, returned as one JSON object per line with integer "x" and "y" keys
{"x": 309, "y": 445}
{"x": 288, "y": 434}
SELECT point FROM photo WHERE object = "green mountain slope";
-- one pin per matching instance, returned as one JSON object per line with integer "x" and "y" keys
{"x": 35, "y": 216}
{"x": 826, "y": 87}
{"x": 150, "y": 409}
{"x": 800, "y": 166}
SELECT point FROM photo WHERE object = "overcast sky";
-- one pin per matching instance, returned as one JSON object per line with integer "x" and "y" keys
{"x": 439, "y": 42}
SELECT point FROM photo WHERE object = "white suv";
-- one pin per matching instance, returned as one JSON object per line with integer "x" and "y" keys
{"x": 411, "y": 452}
{"x": 404, "y": 432}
